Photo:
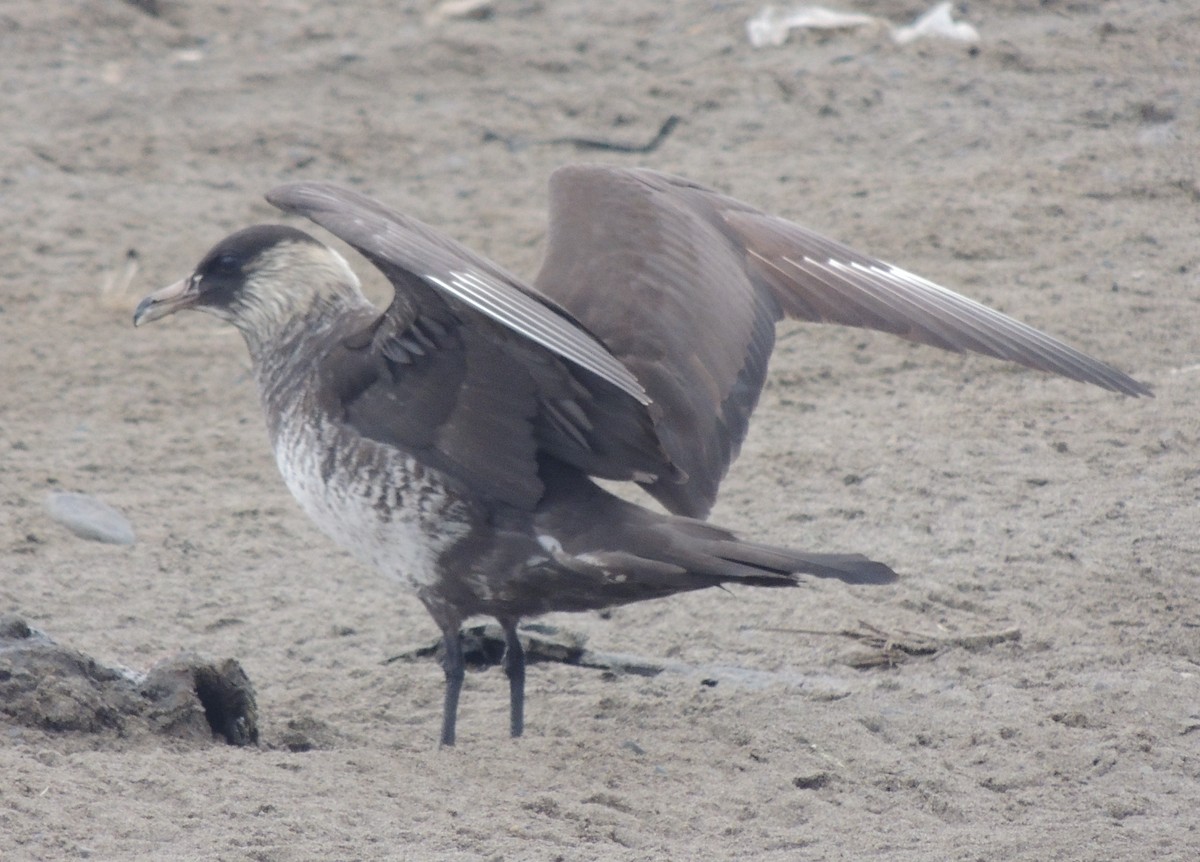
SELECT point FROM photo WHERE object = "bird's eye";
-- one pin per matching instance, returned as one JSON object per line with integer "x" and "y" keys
{"x": 226, "y": 264}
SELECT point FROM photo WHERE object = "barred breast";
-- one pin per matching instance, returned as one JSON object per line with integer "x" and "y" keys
{"x": 378, "y": 503}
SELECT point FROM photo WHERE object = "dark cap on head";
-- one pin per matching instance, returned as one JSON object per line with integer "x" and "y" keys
{"x": 220, "y": 274}
{"x": 224, "y": 268}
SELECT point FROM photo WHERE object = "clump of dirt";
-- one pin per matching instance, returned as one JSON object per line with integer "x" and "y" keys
{"x": 55, "y": 688}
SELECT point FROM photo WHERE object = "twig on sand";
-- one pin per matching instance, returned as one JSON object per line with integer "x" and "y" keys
{"x": 516, "y": 144}
{"x": 650, "y": 146}
{"x": 888, "y": 649}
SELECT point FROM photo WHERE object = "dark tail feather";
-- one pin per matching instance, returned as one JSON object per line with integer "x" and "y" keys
{"x": 850, "y": 568}
{"x": 615, "y": 552}
{"x": 603, "y": 578}
{"x": 722, "y": 554}
{"x": 728, "y": 555}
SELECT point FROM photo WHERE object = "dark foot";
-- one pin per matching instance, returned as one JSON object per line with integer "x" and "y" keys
{"x": 514, "y": 666}
{"x": 455, "y": 667}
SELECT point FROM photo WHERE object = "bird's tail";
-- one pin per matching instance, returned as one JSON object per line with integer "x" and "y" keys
{"x": 714, "y": 550}
{"x": 606, "y": 551}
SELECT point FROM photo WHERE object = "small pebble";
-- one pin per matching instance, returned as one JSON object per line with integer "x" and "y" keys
{"x": 813, "y": 781}
{"x": 89, "y": 518}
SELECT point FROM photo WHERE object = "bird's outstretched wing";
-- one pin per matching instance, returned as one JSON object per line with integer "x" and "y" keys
{"x": 685, "y": 285}
{"x": 471, "y": 370}
{"x": 391, "y": 239}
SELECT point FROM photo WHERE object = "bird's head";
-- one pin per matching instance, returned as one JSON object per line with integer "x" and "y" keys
{"x": 260, "y": 279}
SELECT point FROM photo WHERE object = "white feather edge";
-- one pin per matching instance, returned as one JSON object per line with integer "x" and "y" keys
{"x": 527, "y": 317}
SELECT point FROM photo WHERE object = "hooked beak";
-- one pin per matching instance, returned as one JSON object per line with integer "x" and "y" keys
{"x": 166, "y": 300}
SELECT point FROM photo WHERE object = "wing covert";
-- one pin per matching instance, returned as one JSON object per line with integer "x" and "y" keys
{"x": 391, "y": 239}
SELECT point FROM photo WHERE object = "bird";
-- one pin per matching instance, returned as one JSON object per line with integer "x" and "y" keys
{"x": 453, "y": 439}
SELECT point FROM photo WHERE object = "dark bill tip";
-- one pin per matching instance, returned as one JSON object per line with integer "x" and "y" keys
{"x": 164, "y": 301}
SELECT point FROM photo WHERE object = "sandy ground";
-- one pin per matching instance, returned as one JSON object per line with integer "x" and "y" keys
{"x": 1048, "y": 533}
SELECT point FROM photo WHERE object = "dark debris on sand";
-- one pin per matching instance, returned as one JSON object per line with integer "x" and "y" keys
{"x": 57, "y": 689}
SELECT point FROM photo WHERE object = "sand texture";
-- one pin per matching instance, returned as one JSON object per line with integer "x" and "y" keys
{"x": 1028, "y": 690}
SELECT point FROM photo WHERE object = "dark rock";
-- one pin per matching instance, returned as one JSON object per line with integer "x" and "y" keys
{"x": 60, "y": 690}
{"x": 815, "y": 781}
{"x": 193, "y": 698}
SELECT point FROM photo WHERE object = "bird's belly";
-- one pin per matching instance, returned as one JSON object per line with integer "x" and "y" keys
{"x": 383, "y": 507}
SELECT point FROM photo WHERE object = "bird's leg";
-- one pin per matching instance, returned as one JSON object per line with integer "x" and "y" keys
{"x": 514, "y": 667}
{"x": 456, "y": 669}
